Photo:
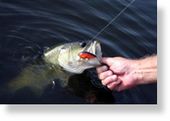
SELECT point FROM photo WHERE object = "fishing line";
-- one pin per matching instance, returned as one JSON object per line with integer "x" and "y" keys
{"x": 123, "y": 10}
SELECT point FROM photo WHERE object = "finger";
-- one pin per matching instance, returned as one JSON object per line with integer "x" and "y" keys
{"x": 107, "y": 60}
{"x": 101, "y": 69}
{"x": 105, "y": 74}
{"x": 113, "y": 85}
{"x": 109, "y": 80}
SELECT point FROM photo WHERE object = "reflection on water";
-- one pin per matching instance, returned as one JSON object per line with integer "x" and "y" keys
{"x": 28, "y": 27}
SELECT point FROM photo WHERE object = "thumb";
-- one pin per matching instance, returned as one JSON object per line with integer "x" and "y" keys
{"x": 107, "y": 60}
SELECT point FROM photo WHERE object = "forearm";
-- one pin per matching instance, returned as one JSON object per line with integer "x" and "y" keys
{"x": 147, "y": 70}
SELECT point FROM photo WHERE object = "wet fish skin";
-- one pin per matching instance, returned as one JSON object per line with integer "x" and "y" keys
{"x": 67, "y": 56}
{"x": 58, "y": 63}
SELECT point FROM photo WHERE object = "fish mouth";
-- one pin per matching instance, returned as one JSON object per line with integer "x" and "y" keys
{"x": 92, "y": 50}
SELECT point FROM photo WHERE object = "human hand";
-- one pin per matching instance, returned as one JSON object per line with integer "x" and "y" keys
{"x": 118, "y": 73}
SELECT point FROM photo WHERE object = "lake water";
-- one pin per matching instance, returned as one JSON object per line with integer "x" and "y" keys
{"x": 29, "y": 26}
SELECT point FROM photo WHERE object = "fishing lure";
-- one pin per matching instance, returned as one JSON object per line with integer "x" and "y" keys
{"x": 86, "y": 55}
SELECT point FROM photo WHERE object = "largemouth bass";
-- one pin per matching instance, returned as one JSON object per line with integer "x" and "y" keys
{"x": 75, "y": 57}
{"x": 59, "y": 63}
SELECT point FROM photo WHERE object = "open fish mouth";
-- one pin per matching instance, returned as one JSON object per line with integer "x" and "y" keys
{"x": 92, "y": 50}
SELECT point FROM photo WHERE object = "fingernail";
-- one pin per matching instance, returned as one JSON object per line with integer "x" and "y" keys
{"x": 110, "y": 73}
{"x": 114, "y": 77}
{"x": 105, "y": 67}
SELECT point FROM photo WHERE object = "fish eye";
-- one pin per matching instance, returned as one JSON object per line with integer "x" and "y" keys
{"x": 83, "y": 44}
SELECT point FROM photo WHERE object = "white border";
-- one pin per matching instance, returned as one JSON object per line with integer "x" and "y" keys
{"x": 158, "y": 112}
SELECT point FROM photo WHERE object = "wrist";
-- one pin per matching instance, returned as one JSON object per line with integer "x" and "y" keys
{"x": 145, "y": 70}
{"x": 136, "y": 71}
